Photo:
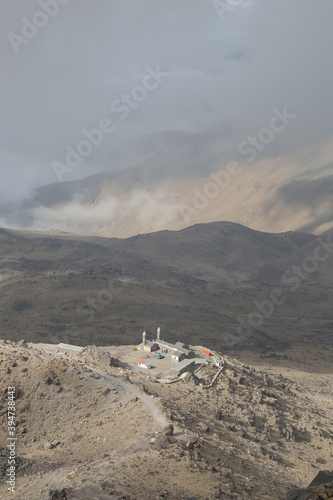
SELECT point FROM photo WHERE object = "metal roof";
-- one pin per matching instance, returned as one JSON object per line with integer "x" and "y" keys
{"x": 178, "y": 353}
{"x": 174, "y": 347}
{"x": 183, "y": 364}
{"x": 70, "y": 347}
{"x": 181, "y": 345}
{"x": 167, "y": 344}
{"x": 148, "y": 343}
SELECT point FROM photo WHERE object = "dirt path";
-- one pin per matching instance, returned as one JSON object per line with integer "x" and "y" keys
{"x": 155, "y": 411}
{"x": 157, "y": 414}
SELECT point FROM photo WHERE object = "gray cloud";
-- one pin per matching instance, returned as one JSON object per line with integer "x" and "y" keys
{"x": 263, "y": 55}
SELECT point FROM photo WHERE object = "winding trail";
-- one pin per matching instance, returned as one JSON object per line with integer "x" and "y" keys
{"x": 155, "y": 411}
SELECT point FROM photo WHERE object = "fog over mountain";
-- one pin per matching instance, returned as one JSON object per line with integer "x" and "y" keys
{"x": 231, "y": 68}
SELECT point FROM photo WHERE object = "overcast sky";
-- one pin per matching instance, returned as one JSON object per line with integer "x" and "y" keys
{"x": 263, "y": 54}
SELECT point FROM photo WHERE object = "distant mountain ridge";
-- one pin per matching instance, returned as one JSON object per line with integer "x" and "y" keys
{"x": 237, "y": 287}
{"x": 192, "y": 178}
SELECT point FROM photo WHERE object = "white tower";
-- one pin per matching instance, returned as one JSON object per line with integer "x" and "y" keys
{"x": 143, "y": 339}
{"x": 158, "y": 334}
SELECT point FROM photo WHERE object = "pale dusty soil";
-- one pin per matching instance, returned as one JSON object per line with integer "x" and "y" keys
{"x": 103, "y": 438}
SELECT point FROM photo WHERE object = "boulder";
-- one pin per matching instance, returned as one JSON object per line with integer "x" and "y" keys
{"x": 218, "y": 414}
{"x": 87, "y": 493}
{"x": 161, "y": 442}
{"x": 191, "y": 442}
{"x": 168, "y": 430}
{"x": 320, "y": 488}
{"x": 58, "y": 494}
{"x": 325, "y": 434}
{"x": 204, "y": 427}
{"x": 98, "y": 356}
{"x": 294, "y": 494}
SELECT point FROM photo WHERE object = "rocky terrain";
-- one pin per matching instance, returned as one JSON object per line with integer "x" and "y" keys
{"x": 88, "y": 426}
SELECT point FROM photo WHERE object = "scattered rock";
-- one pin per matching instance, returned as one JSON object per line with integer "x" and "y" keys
{"x": 325, "y": 434}
{"x": 217, "y": 491}
{"x": 204, "y": 426}
{"x": 321, "y": 488}
{"x": 98, "y": 356}
{"x": 22, "y": 343}
{"x": 161, "y": 442}
{"x": 58, "y": 494}
{"x": 226, "y": 473}
{"x": 191, "y": 442}
{"x": 87, "y": 493}
{"x": 168, "y": 430}
{"x": 218, "y": 414}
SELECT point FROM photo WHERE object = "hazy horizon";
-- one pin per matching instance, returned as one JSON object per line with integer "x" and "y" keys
{"x": 75, "y": 72}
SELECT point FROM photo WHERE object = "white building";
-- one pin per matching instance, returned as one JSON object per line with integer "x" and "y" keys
{"x": 143, "y": 364}
{"x": 177, "y": 351}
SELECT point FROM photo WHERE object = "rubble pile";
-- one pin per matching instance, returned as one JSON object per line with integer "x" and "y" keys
{"x": 87, "y": 493}
{"x": 97, "y": 356}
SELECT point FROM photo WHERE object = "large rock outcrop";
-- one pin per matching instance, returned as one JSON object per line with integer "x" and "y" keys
{"x": 98, "y": 356}
{"x": 320, "y": 488}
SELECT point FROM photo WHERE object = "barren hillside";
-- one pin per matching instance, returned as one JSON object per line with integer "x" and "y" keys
{"x": 204, "y": 282}
{"x": 86, "y": 429}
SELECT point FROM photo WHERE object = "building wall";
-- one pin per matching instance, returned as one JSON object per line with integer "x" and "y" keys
{"x": 149, "y": 347}
{"x": 175, "y": 370}
{"x": 179, "y": 357}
